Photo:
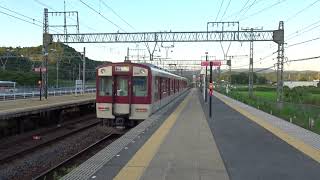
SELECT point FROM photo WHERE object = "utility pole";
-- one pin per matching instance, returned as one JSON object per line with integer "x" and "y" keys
{"x": 280, "y": 65}
{"x": 229, "y": 64}
{"x": 46, "y": 40}
{"x": 250, "y": 74}
{"x": 79, "y": 74}
{"x": 127, "y": 57}
{"x": 211, "y": 91}
{"x": 206, "y": 80}
{"x": 57, "y": 82}
{"x": 251, "y": 66}
{"x": 65, "y": 20}
{"x": 84, "y": 70}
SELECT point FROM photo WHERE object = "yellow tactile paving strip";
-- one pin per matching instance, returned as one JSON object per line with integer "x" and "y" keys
{"x": 298, "y": 144}
{"x": 135, "y": 168}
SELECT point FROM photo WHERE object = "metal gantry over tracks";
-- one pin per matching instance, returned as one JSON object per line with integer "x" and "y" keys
{"x": 276, "y": 36}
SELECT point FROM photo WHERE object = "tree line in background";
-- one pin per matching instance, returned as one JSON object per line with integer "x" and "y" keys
{"x": 17, "y": 64}
{"x": 242, "y": 78}
{"x": 270, "y": 77}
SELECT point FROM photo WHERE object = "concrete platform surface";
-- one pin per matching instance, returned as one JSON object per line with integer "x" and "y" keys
{"x": 188, "y": 150}
{"x": 21, "y": 107}
{"x": 255, "y": 150}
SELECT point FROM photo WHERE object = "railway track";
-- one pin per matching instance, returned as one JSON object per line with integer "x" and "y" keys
{"x": 74, "y": 160}
{"x": 24, "y": 146}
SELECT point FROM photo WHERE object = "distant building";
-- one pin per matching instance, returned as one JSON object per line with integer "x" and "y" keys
{"x": 292, "y": 84}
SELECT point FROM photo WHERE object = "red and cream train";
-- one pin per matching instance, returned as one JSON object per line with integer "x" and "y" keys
{"x": 129, "y": 92}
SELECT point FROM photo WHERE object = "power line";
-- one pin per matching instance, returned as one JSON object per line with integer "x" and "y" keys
{"x": 219, "y": 10}
{"x": 303, "y": 42}
{"x": 293, "y": 60}
{"x": 304, "y": 31}
{"x": 101, "y": 15}
{"x": 117, "y": 15}
{"x": 244, "y": 6}
{"x": 304, "y": 59}
{"x": 88, "y": 27}
{"x": 261, "y": 59}
{"x": 302, "y": 10}
{"x": 264, "y": 9}
{"x": 264, "y": 69}
{"x": 225, "y": 10}
{"x": 33, "y": 23}
{"x": 45, "y": 5}
{"x": 20, "y": 14}
{"x": 248, "y": 8}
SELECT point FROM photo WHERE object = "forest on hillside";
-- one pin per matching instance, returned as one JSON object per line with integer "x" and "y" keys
{"x": 18, "y": 63}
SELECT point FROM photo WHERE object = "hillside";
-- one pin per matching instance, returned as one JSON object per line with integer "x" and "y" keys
{"x": 17, "y": 64}
{"x": 271, "y": 74}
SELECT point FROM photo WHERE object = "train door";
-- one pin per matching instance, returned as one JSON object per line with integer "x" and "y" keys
{"x": 121, "y": 95}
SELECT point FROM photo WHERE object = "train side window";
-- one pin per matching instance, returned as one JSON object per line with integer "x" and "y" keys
{"x": 156, "y": 88}
{"x": 140, "y": 86}
{"x": 105, "y": 88}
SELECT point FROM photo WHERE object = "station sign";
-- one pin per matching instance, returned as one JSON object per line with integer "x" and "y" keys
{"x": 214, "y": 63}
{"x": 38, "y": 69}
{"x": 205, "y": 63}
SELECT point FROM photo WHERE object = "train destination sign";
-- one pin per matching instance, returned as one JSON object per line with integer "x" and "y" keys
{"x": 121, "y": 68}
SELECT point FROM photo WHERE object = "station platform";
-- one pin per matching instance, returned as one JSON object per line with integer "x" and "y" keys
{"x": 11, "y": 109}
{"x": 182, "y": 142}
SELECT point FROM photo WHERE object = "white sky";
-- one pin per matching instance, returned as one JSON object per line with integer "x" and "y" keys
{"x": 166, "y": 15}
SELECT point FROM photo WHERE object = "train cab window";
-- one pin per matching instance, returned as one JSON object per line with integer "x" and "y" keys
{"x": 122, "y": 86}
{"x": 140, "y": 86}
{"x": 105, "y": 88}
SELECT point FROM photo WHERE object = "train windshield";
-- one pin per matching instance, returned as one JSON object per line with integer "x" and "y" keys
{"x": 122, "y": 86}
{"x": 140, "y": 86}
{"x": 105, "y": 88}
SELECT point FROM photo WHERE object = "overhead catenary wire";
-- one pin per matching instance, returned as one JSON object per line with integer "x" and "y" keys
{"x": 225, "y": 11}
{"x": 33, "y": 23}
{"x": 303, "y": 42}
{"x": 45, "y": 5}
{"x": 293, "y": 60}
{"x": 307, "y": 29}
{"x": 262, "y": 10}
{"x": 301, "y": 11}
{"x": 240, "y": 11}
{"x": 248, "y": 8}
{"x": 299, "y": 43}
{"x": 114, "y": 12}
{"x": 83, "y": 24}
{"x": 261, "y": 59}
{"x": 33, "y": 19}
{"x": 101, "y": 15}
{"x": 219, "y": 10}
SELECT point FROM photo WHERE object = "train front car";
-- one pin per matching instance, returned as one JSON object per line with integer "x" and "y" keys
{"x": 123, "y": 93}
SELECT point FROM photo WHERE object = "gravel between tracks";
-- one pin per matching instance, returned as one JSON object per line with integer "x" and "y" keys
{"x": 42, "y": 159}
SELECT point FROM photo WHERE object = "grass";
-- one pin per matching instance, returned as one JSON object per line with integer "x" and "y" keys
{"x": 267, "y": 95}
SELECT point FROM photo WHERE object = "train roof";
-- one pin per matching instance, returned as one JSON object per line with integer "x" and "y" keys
{"x": 151, "y": 66}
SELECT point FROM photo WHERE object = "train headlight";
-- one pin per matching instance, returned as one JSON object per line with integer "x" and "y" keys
{"x": 142, "y": 71}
